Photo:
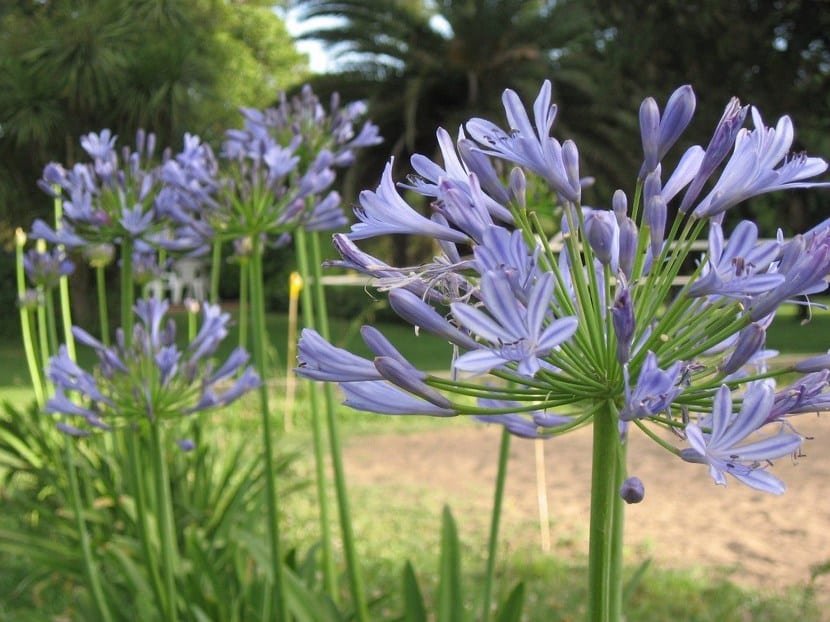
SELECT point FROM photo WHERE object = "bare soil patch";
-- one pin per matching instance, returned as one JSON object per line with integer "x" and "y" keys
{"x": 686, "y": 521}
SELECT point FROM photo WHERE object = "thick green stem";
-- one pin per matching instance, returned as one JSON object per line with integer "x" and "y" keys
{"x": 603, "y": 577}
{"x": 89, "y": 563}
{"x": 355, "y": 575}
{"x": 259, "y": 340}
{"x": 103, "y": 312}
{"x": 215, "y": 271}
{"x": 127, "y": 291}
{"x": 166, "y": 522}
{"x": 63, "y": 285}
{"x": 136, "y": 477}
{"x": 317, "y": 431}
{"x": 495, "y": 521}
{"x": 51, "y": 323}
{"x": 43, "y": 339}
{"x": 26, "y": 327}
{"x": 244, "y": 280}
{"x": 617, "y": 541}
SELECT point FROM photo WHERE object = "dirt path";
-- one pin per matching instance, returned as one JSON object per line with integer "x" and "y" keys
{"x": 685, "y": 520}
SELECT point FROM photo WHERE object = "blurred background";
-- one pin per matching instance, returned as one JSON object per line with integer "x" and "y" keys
{"x": 68, "y": 67}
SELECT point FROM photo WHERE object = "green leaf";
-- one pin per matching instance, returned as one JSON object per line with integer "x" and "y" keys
{"x": 634, "y": 581}
{"x": 306, "y": 605}
{"x": 131, "y": 572}
{"x": 511, "y": 609}
{"x": 413, "y": 600}
{"x": 450, "y": 603}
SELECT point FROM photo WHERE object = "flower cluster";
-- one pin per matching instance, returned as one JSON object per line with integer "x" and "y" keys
{"x": 132, "y": 197}
{"x": 44, "y": 267}
{"x": 596, "y": 326}
{"x": 283, "y": 163}
{"x": 147, "y": 378}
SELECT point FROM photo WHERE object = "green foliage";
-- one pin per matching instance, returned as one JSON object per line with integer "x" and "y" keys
{"x": 511, "y": 610}
{"x": 67, "y": 68}
{"x": 428, "y": 64}
{"x": 774, "y": 55}
{"x": 217, "y": 495}
{"x": 414, "y": 609}
{"x": 450, "y": 605}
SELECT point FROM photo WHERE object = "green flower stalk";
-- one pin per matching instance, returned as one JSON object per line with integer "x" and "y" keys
{"x": 280, "y": 166}
{"x": 141, "y": 386}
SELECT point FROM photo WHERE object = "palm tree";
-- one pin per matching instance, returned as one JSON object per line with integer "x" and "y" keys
{"x": 424, "y": 64}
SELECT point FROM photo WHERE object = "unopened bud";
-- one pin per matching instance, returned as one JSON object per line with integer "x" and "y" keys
{"x": 295, "y": 284}
{"x": 99, "y": 255}
{"x": 632, "y": 490}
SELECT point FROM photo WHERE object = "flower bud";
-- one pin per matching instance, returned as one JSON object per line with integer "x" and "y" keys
{"x": 570, "y": 158}
{"x": 655, "y": 217}
{"x": 632, "y": 490}
{"x": 622, "y": 317}
{"x": 603, "y": 235}
{"x": 243, "y": 247}
{"x": 99, "y": 255}
{"x": 649, "y": 134}
{"x": 619, "y": 203}
{"x": 676, "y": 117}
{"x": 750, "y": 340}
{"x": 813, "y": 364}
{"x": 295, "y": 285}
{"x": 192, "y": 305}
{"x": 186, "y": 444}
{"x": 401, "y": 375}
{"x": 29, "y": 300}
{"x": 518, "y": 187}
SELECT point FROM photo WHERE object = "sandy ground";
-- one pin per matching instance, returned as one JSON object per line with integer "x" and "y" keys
{"x": 685, "y": 521}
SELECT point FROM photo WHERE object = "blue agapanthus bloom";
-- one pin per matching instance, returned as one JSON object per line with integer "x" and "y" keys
{"x": 133, "y": 196}
{"x": 282, "y": 163}
{"x": 148, "y": 378}
{"x": 620, "y": 320}
{"x": 44, "y": 267}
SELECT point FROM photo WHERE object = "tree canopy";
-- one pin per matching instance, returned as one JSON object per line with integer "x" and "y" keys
{"x": 424, "y": 63}
{"x": 68, "y": 67}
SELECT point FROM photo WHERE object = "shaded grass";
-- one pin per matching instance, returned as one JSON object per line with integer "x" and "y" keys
{"x": 391, "y": 530}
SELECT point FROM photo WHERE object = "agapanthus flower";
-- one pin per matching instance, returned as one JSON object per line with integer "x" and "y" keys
{"x": 722, "y": 444}
{"x": 804, "y": 264}
{"x": 115, "y": 199}
{"x": 524, "y": 425}
{"x": 458, "y": 170}
{"x": 609, "y": 320}
{"x": 384, "y": 211}
{"x": 148, "y": 378}
{"x": 515, "y": 333}
{"x": 531, "y": 145}
{"x": 282, "y": 164}
{"x": 760, "y": 163}
{"x": 654, "y": 390}
{"x": 44, "y": 268}
{"x": 741, "y": 268}
{"x": 660, "y": 133}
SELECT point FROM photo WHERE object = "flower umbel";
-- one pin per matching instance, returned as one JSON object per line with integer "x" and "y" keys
{"x": 722, "y": 446}
{"x": 152, "y": 379}
{"x": 596, "y": 327}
